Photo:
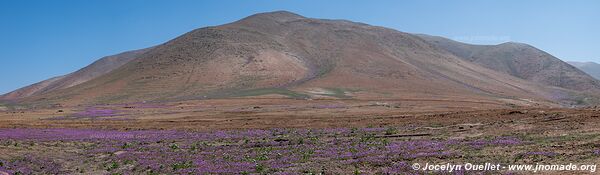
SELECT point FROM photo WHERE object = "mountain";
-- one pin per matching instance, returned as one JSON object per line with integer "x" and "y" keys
{"x": 520, "y": 60}
{"x": 590, "y": 68}
{"x": 96, "y": 69}
{"x": 291, "y": 55}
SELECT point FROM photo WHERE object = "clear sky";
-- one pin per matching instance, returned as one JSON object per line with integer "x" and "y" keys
{"x": 41, "y": 39}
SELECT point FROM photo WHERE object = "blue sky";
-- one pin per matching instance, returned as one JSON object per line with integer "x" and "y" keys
{"x": 41, "y": 39}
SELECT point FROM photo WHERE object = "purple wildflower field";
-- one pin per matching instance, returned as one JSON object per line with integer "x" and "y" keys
{"x": 91, "y": 113}
{"x": 256, "y": 151}
{"x": 275, "y": 151}
{"x": 108, "y": 112}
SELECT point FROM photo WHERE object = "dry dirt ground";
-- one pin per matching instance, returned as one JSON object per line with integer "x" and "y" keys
{"x": 553, "y": 135}
{"x": 260, "y": 113}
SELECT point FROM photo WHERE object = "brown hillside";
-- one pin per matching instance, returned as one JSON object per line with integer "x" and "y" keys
{"x": 521, "y": 60}
{"x": 287, "y": 54}
{"x": 96, "y": 69}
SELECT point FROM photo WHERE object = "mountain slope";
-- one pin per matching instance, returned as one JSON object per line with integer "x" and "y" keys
{"x": 96, "y": 69}
{"x": 284, "y": 53}
{"x": 590, "y": 68}
{"x": 520, "y": 60}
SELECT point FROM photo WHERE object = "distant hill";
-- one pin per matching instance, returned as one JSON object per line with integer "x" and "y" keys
{"x": 520, "y": 60}
{"x": 290, "y": 55}
{"x": 590, "y": 68}
{"x": 96, "y": 69}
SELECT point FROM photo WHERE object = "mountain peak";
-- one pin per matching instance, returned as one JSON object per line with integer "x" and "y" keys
{"x": 512, "y": 43}
{"x": 280, "y": 16}
{"x": 281, "y": 13}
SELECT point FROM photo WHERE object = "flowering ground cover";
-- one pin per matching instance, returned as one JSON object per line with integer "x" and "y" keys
{"x": 223, "y": 138}
{"x": 256, "y": 151}
{"x": 90, "y": 113}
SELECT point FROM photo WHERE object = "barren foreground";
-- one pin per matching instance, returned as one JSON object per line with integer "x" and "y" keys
{"x": 273, "y": 135}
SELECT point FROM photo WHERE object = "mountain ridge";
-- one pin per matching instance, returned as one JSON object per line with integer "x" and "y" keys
{"x": 520, "y": 60}
{"x": 591, "y": 68}
{"x": 288, "y": 54}
{"x": 97, "y": 68}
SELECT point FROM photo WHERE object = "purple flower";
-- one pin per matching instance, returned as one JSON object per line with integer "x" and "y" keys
{"x": 254, "y": 151}
{"x": 96, "y": 112}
